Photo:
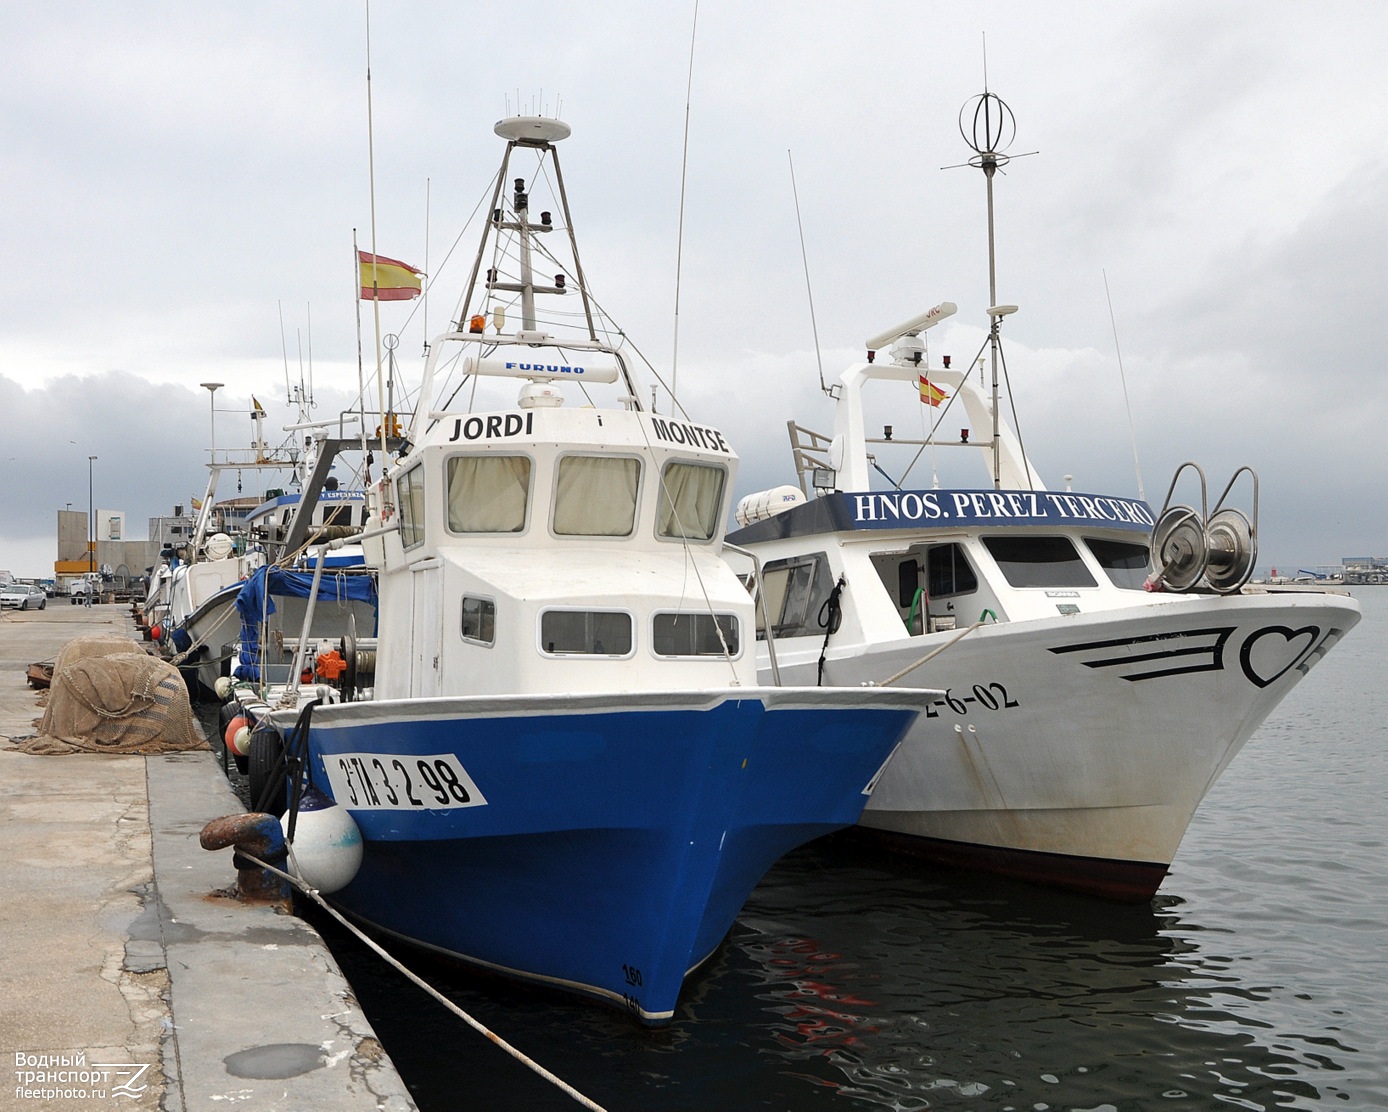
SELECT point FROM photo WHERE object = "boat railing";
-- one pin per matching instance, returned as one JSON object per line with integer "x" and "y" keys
{"x": 810, "y": 451}
{"x": 759, "y": 600}
{"x": 291, "y": 693}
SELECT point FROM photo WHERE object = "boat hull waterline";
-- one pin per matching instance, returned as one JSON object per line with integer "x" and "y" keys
{"x": 1074, "y": 751}
{"x": 600, "y": 844}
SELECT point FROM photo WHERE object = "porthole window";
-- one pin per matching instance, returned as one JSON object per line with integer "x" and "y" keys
{"x": 795, "y": 592}
{"x": 479, "y": 620}
{"x": 409, "y": 496}
{"x": 694, "y": 634}
{"x": 1039, "y": 561}
{"x": 586, "y": 632}
{"x": 1126, "y": 564}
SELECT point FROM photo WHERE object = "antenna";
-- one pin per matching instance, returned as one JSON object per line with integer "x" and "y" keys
{"x": 371, "y": 165}
{"x": 989, "y": 128}
{"x": 284, "y": 350}
{"x": 805, "y": 259}
{"x": 1132, "y": 435}
{"x": 679, "y": 235}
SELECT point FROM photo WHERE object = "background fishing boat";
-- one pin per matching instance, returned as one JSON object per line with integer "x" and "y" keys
{"x": 1102, "y": 664}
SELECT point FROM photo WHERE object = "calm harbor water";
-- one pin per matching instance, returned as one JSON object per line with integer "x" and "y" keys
{"x": 1257, "y": 978}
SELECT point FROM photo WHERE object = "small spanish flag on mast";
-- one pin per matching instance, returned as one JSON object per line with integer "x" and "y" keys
{"x": 384, "y": 279}
{"x": 930, "y": 393}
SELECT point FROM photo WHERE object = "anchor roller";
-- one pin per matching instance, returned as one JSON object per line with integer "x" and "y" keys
{"x": 1189, "y": 545}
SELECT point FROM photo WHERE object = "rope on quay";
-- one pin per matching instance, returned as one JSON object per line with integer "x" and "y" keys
{"x": 520, "y": 1056}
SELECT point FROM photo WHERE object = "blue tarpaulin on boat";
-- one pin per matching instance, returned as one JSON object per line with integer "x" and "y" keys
{"x": 257, "y": 600}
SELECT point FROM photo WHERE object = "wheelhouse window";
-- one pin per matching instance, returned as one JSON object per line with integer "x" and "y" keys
{"x": 796, "y": 590}
{"x": 694, "y": 634}
{"x": 479, "y": 620}
{"x": 586, "y": 632}
{"x": 691, "y": 496}
{"x": 488, "y": 494}
{"x": 948, "y": 572}
{"x": 595, "y": 496}
{"x": 1039, "y": 561}
{"x": 1126, "y": 564}
{"x": 409, "y": 496}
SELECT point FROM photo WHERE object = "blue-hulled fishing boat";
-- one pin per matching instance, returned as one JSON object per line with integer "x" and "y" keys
{"x": 567, "y": 770}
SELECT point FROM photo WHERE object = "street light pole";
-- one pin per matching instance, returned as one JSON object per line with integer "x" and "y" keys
{"x": 91, "y": 522}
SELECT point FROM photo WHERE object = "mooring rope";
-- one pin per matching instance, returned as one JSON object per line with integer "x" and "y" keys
{"x": 313, "y": 894}
{"x": 932, "y": 654}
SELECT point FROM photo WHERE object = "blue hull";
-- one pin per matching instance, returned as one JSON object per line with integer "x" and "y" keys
{"x": 600, "y": 844}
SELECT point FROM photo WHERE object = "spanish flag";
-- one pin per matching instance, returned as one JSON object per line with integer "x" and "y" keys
{"x": 930, "y": 393}
{"x": 384, "y": 279}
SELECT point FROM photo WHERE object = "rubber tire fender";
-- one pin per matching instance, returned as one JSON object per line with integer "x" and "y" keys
{"x": 267, "y": 778}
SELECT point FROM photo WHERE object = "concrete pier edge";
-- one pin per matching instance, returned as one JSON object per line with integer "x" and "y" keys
{"x": 122, "y": 952}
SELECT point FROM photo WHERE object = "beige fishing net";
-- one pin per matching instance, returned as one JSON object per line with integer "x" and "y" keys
{"x": 109, "y": 696}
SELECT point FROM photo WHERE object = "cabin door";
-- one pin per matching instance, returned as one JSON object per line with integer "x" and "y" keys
{"x": 426, "y": 580}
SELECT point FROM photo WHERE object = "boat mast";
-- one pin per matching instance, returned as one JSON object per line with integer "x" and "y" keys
{"x": 539, "y": 133}
{"x": 990, "y": 132}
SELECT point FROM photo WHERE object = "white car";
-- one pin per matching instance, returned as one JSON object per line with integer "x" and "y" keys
{"x": 22, "y": 596}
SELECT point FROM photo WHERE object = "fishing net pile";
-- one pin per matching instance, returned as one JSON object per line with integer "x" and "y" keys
{"x": 109, "y": 696}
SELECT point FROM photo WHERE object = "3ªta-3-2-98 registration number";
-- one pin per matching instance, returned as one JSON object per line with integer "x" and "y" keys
{"x": 392, "y": 782}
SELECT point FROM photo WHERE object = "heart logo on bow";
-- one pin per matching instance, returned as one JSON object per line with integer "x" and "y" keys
{"x": 1273, "y": 651}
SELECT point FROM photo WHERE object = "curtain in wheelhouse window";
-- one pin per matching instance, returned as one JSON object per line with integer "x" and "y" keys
{"x": 595, "y": 496}
{"x": 691, "y": 495}
{"x": 488, "y": 494}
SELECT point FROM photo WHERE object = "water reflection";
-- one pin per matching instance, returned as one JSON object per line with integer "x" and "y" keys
{"x": 958, "y": 990}
{"x": 853, "y": 981}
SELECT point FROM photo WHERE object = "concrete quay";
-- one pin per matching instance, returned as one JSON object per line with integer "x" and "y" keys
{"x": 123, "y": 970}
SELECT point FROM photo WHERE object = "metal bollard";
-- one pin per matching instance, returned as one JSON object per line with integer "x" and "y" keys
{"x": 255, "y": 833}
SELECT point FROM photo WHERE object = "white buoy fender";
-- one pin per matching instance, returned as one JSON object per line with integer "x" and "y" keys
{"x": 327, "y": 843}
{"x": 223, "y": 687}
{"x": 241, "y": 742}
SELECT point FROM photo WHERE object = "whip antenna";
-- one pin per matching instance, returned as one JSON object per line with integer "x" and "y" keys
{"x": 1132, "y": 435}
{"x": 679, "y": 236}
{"x": 814, "y": 325}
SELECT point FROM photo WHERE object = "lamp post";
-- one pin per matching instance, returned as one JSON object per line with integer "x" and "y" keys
{"x": 91, "y": 522}
{"x": 212, "y": 388}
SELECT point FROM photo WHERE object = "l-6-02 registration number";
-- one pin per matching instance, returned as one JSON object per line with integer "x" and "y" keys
{"x": 396, "y": 782}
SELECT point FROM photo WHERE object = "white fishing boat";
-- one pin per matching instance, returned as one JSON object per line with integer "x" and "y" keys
{"x": 566, "y": 769}
{"x": 193, "y": 614}
{"x": 1102, "y": 664}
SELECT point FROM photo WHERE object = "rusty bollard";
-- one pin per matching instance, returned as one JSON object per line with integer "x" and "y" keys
{"x": 255, "y": 833}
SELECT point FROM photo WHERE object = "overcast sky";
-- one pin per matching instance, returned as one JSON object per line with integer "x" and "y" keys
{"x": 174, "y": 176}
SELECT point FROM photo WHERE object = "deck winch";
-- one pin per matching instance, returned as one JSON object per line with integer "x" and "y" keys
{"x": 1188, "y": 544}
